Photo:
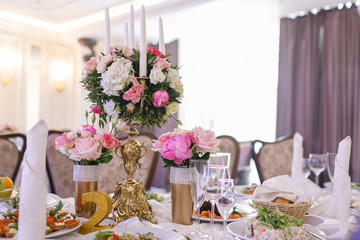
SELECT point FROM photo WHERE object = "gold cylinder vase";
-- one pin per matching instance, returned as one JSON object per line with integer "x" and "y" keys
{"x": 181, "y": 201}
{"x": 86, "y": 179}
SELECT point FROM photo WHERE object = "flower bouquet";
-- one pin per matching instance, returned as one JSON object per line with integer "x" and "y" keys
{"x": 117, "y": 92}
{"x": 179, "y": 146}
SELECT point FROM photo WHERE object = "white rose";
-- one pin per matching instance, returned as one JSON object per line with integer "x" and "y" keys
{"x": 106, "y": 59}
{"x": 157, "y": 75}
{"x": 109, "y": 108}
{"x": 171, "y": 108}
{"x": 121, "y": 125}
{"x": 71, "y": 135}
{"x": 175, "y": 81}
{"x": 117, "y": 77}
{"x": 101, "y": 67}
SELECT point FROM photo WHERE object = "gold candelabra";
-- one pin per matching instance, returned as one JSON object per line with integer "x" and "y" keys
{"x": 129, "y": 196}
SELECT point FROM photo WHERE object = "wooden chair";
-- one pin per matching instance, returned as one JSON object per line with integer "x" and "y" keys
{"x": 59, "y": 168}
{"x": 111, "y": 172}
{"x": 272, "y": 158}
{"x": 230, "y": 145}
{"x": 12, "y": 149}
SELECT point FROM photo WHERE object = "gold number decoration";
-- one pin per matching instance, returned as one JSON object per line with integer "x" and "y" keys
{"x": 104, "y": 205}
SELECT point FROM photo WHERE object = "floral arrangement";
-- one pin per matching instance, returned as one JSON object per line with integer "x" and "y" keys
{"x": 87, "y": 146}
{"x": 116, "y": 91}
{"x": 179, "y": 146}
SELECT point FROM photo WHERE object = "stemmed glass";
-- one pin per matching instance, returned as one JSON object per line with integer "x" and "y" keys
{"x": 317, "y": 164}
{"x": 220, "y": 158}
{"x": 197, "y": 194}
{"x": 305, "y": 167}
{"x": 210, "y": 183}
{"x": 226, "y": 202}
{"x": 330, "y": 164}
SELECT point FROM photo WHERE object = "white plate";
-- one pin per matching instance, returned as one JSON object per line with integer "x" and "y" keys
{"x": 355, "y": 211}
{"x": 238, "y": 229}
{"x": 217, "y": 220}
{"x": 238, "y": 191}
{"x": 158, "y": 232}
{"x": 62, "y": 231}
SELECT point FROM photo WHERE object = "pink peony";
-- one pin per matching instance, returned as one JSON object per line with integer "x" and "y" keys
{"x": 85, "y": 148}
{"x": 154, "y": 51}
{"x": 134, "y": 93}
{"x": 160, "y": 98}
{"x": 90, "y": 65}
{"x": 96, "y": 109}
{"x": 106, "y": 59}
{"x": 108, "y": 141}
{"x": 88, "y": 128}
{"x": 206, "y": 140}
{"x": 158, "y": 144}
{"x": 101, "y": 67}
{"x": 177, "y": 148}
{"x": 161, "y": 63}
{"x": 63, "y": 142}
{"x": 130, "y": 107}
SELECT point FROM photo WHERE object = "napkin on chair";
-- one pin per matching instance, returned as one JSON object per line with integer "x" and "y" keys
{"x": 32, "y": 209}
{"x": 342, "y": 181}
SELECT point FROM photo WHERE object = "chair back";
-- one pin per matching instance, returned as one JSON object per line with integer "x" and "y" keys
{"x": 59, "y": 168}
{"x": 272, "y": 158}
{"x": 112, "y": 173}
{"x": 12, "y": 149}
{"x": 230, "y": 145}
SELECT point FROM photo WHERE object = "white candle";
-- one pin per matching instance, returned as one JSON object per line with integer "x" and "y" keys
{"x": 126, "y": 35}
{"x": 161, "y": 37}
{"x": 107, "y": 32}
{"x": 143, "y": 59}
{"x": 131, "y": 28}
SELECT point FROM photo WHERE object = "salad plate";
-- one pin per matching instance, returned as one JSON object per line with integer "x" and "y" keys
{"x": 161, "y": 233}
{"x": 62, "y": 232}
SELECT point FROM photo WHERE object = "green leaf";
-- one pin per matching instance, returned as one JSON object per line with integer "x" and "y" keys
{"x": 105, "y": 159}
{"x": 103, "y": 235}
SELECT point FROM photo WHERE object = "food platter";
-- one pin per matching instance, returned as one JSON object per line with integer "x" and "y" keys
{"x": 62, "y": 232}
{"x": 216, "y": 220}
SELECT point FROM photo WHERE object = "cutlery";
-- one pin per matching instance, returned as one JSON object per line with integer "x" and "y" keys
{"x": 317, "y": 236}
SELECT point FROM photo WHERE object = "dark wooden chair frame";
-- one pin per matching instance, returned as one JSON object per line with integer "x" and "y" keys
{"x": 233, "y": 172}
{"x": 21, "y": 153}
{"x": 255, "y": 155}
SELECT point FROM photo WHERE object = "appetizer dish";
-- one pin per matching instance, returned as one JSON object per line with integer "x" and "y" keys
{"x": 110, "y": 235}
{"x": 56, "y": 219}
{"x": 205, "y": 212}
{"x": 275, "y": 225}
{"x": 150, "y": 195}
{"x": 249, "y": 189}
{"x": 6, "y": 187}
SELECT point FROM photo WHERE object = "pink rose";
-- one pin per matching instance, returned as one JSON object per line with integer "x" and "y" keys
{"x": 130, "y": 107}
{"x": 134, "y": 93}
{"x": 158, "y": 144}
{"x": 63, "y": 142}
{"x": 106, "y": 59}
{"x": 108, "y": 141}
{"x": 90, "y": 65}
{"x": 96, "y": 109}
{"x": 161, "y": 63}
{"x": 177, "y": 148}
{"x": 160, "y": 98}
{"x": 206, "y": 140}
{"x": 84, "y": 76}
{"x": 90, "y": 129}
{"x": 154, "y": 51}
{"x": 114, "y": 49}
{"x": 85, "y": 148}
{"x": 131, "y": 52}
{"x": 101, "y": 67}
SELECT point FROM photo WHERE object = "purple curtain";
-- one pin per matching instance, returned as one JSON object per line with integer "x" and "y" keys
{"x": 318, "y": 89}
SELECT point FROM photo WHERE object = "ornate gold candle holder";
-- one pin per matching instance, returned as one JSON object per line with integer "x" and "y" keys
{"x": 129, "y": 196}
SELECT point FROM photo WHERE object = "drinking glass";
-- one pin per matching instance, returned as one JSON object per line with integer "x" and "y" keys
{"x": 197, "y": 194}
{"x": 210, "y": 183}
{"x": 317, "y": 164}
{"x": 305, "y": 167}
{"x": 226, "y": 202}
{"x": 330, "y": 164}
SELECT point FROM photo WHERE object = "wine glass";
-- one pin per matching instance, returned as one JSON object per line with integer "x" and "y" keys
{"x": 317, "y": 164}
{"x": 210, "y": 183}
{"x": 197, "y": 194}
{"x": 221, "y": 158}
{"x": 330, "y": 164}
{"x": 226, "y": 202}
{"x": 305, "y": 167}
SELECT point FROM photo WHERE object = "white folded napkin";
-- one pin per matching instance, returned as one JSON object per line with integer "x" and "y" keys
{"x": 342, "y": 181}
{"x": 279, "y": 186}
{"x": 32, "y": 209}
{"x": 296, "y": 166}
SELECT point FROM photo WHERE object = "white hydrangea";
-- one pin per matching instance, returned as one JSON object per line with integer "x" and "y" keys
{"x": 175, "y": 81}
{"x": 117, "y": 76}
{"x": 157, "y": 75}
{"x": 109, "y": 108}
